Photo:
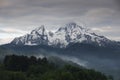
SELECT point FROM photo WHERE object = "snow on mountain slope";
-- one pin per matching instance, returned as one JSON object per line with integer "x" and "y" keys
{"x": 69, "y": 33}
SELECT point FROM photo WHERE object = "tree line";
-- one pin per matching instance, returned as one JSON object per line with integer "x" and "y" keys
{"x": 21, "y": 67}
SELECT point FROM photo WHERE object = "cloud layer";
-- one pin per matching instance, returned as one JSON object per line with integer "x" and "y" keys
{"x": 19, "y": 16}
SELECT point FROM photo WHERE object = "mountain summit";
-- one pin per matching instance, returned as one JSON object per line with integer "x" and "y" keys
{"x": 68, "y": 34}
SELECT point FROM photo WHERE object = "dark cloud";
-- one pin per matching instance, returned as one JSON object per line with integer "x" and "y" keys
{"x": 50, "y": 7}
{"x": 118, "y": 4}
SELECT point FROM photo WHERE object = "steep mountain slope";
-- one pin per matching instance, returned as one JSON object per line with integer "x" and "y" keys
{"x": 64, "y": 36}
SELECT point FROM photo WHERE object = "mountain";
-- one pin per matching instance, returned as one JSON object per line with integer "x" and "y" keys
{"x": 66, "y": 35}
{"x": 70, "y": 42}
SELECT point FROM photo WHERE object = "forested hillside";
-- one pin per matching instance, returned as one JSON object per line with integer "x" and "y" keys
{"x": 31, "y": 68}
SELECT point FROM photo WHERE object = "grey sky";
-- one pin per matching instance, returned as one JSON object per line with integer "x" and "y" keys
{"x": 18, "y": 17}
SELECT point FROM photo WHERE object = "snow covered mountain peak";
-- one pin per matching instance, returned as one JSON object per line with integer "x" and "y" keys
{"x": 70, "y": 26}
{"x": 65, "y": 35}
{"x": 40, "y": 30}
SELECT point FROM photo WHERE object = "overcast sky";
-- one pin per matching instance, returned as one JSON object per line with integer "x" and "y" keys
{"x": 18, "y": 17}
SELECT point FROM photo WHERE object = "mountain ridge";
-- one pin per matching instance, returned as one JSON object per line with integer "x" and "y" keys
{"x": 64, "y": 36}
